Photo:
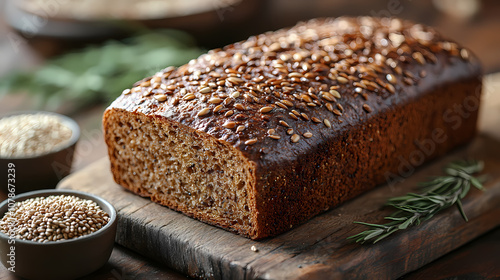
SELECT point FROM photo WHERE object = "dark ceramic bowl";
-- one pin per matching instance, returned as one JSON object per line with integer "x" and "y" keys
{"x": 40, "y": 171}
{"x": 66, "y": 259}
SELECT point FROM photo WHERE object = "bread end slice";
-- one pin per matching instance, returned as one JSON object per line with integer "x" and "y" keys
{"x": 181, "y": 168}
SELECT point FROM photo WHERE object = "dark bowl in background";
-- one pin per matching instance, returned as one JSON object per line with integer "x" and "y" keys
{"x": 66, "y": 259}
{"x": 41, "y": 171}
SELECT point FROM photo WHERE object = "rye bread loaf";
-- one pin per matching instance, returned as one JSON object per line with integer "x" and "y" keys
{"x": 262, "y": 135}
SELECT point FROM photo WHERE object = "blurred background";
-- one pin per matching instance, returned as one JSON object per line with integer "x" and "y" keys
{"x": 75, "y": 56}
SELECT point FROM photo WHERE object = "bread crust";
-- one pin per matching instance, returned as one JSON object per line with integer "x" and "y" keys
{"x": 383, "y": 104}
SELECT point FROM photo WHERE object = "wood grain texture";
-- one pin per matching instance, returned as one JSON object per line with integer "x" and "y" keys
{"x": 313, "y": 250}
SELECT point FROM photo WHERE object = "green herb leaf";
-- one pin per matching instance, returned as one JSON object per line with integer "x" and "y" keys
{"x": 100, "y": 73}
{"x": 439, "y": 193}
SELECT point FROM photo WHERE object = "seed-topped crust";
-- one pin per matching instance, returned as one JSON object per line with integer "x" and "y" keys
{"x": 327, "y": 102}
{"x": 319, "y": 64}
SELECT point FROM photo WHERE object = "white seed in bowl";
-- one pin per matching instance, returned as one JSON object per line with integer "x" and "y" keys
{"x": 32, "y": 134}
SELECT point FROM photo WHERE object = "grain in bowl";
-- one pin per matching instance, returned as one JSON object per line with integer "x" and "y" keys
{"x": 37, "y": 147}
{"x": 64, "y": 258}
{"x": 53, "y": 218}
{"x": 27, "y": 135}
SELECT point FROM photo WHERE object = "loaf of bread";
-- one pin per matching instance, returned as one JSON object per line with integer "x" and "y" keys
{"x": 262, "y": 135}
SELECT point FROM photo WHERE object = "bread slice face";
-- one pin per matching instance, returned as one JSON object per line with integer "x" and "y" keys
{"x": 182, "y": 168}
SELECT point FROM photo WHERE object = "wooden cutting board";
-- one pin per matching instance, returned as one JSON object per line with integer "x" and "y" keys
{"x": 314, "y": 250}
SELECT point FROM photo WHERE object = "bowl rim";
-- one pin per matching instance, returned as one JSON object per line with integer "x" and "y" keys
{"x": 65, "y": 120}
{"x": 48, "y": 192}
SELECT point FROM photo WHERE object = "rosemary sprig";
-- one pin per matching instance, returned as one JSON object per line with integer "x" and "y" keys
{"x": 439, "y": 193}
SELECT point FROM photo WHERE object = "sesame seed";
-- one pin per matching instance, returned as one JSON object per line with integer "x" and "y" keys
{"x": 391, "y": 78}
{"x": 358, "y": 84}
{"x": 240, "y": 128}
{"x": 229, "y": 125}
{"x": 335, "y": 93}
{"x": 228, "y": 101}
{"x": 340, "y": 107}
{"x": 279, "y": 104}
{"x": 251, "y": 141}
{"x": 306, "y": 98}
{"x": 367, "y": 108}
{"x": 293, "y": 116}
{"x": 204, "y": 90}
{"x": 239, "y": 106}
{"x": 296, "y": 113}
{"x": 126, "y": 91}
{"x": 215, "y": 100}
{"x": 307, "y": 134}
{"x": 408, "y": 81}
{"x": 409, "y": 74}
{"x": 337, "y": 112}
{"x": 271, "y": 131}
{"x": 265, "y": 109}
{"x": 329, "y": 106}
{"x": 160, "y": 97}
{"x": 418, "y": 57}
{"x": 148, "y": 92}
{"x": 295, "y": 138}
{"x": 303, "y": 115}
{"x": 295, "y": 75}
{"x": 297, "y": 57}
{"x": 328, "y": 96}
{"x": 275, "y": 137}
{"x": 342, "y": 80}
{"x": 240, "y": 117}
{"x": 203, "y": 112}
{"x": 254, "y": 249}
{"x": 235, "y": 80}
{"x": 464, "y": 53}
{"x": 145, "y": 84}
{"x": 136, "y": 89}
{"x": 218, "y": 108}
{"x": 189, "y": 96}
{"x": 398, "y": 70}
{"x": 327, "y": 123}
{"x": 229, "y": 113}
{"x": 316, "y": 120}
{"x": 235, "y": 94}
{"x": 156, "y": 80}
{"x": 283, "y": 123}
{"x": 287, "y": 103}
{"x": 171, "y": 87}
{"x": 289, "y": 131}
{"x": 390, "y": 88}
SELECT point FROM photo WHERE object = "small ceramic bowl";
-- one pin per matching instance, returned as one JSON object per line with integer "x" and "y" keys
{"x": 41, "y": 171}
{"x": 64, "y": 259}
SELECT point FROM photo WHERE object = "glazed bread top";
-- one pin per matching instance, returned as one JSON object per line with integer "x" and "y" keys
{"x": 277, "y": 95}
